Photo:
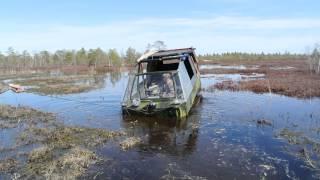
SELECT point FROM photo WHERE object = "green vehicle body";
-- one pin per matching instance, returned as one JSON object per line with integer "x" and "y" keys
{"x": 180, "y": 69}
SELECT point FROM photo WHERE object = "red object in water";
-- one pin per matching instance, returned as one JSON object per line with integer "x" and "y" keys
{"x": 16, "y": 88}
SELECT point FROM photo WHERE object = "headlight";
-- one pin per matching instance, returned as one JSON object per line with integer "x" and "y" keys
{"x": 136, "y": 102}
{"x": 176, "y": 102}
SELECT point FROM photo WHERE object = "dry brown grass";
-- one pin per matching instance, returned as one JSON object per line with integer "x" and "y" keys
{"x": 61, "y": 84}
{"x": 45, "y": 162}
{"x": 67, "y": 137}
{"x": 65, "y": 152}
{"x": 11, "y": 116}
{"x": 3, "y": 87}
{"x": 297, "y": 81}
{"x": 130, "y": 142}
{"x": 309, "y": 148}
{"x": 65, "y": 69}
{"x": 8, "y": 165}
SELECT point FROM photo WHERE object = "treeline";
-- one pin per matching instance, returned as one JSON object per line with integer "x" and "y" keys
{"x": 14, "y": 60}
{"x": 251, "y": 56}
{"x": 314, "y": 59}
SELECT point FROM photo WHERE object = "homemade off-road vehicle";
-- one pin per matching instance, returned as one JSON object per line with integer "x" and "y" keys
{"x": 166, "y": 83}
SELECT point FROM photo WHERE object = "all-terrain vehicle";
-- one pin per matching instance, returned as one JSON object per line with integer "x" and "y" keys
{"x": 166, "y": 83}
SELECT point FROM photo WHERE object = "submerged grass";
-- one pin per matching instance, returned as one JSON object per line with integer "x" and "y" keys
{"x": 62, "y": 84}
{"x": 290, "y": 78}
{"x": 129, "y": 142}
{"x": 49, "y": 163}
{"x": 64, "y": 152}
{"x": 173, "y": 171}
{"x": 3, "y": 87}
{"x": 285, "y": 86}
{"x": 8, "y": 165}
{"x": 309, "y": 149}
{"x": 67, "y": 137}
{"x": 11, "y": 116}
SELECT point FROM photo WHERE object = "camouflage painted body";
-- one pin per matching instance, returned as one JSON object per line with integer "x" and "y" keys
{"x": 179, "y": 64}
{"x": 166, "y": 108}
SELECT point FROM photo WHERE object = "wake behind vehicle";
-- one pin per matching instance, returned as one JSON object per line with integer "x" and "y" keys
{"x": 166, "y": 83}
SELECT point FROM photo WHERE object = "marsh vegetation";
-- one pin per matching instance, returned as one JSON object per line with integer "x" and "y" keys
{"x": 68, "y": 124}
{"x": 291, "y": 77}
{"x": 58, "y": 151}
{"x": 63, "y": 84}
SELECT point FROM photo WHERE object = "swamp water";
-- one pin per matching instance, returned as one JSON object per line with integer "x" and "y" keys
{"x": 229, "y": 135}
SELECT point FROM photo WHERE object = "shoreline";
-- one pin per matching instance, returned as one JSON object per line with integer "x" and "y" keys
{"x": 286, "y": 77}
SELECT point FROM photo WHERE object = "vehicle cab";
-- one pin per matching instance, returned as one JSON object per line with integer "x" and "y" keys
{"x": 166, "y": 82}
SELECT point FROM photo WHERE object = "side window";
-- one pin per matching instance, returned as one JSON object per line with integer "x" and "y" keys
{"x": 134, "y": 92}
{"x": 188, "y": 67}
{"x": 195, "y": 65}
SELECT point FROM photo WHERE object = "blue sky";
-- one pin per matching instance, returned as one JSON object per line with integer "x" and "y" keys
{"x": 208, "y": 25}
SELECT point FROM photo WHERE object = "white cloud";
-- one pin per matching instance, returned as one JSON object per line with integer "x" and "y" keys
{"x": 216, "y": 34}
{"x": 235, "y": 22}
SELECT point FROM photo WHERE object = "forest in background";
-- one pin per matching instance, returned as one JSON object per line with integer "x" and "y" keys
{"x": 12, "y": 60}
{"x": 250, "y": 56}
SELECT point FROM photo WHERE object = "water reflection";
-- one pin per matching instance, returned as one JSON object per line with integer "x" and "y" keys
{"x": 219, "y": 140}
{"x": 175, "y": 137}
{"x": 115, "y": 77}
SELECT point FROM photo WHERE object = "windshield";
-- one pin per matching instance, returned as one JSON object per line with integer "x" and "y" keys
{"x": 154, "y": 85}
{"x": 156, "y": 65}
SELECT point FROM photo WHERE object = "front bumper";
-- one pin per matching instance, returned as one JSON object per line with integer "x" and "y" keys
{"x": 171, "y": 112}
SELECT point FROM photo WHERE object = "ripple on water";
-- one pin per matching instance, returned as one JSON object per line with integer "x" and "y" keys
{"x": 220, "y": 139}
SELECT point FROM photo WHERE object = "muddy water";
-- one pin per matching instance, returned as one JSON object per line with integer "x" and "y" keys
{"x": 217, "y": 66}
{"x": 223, "y": 138}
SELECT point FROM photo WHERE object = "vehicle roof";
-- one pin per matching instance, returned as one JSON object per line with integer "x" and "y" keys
{"x": 159, "y": 55}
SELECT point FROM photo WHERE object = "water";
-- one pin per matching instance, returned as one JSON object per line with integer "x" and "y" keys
{"x": 217, "y": 66}
{"x": 211, "y": 79}
{"x": 283, "y": 68}
{"x": 221, "y": 138}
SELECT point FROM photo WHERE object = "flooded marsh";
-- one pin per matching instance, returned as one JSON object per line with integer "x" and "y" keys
{"x": 286, "y": 77}
{"x": 83, "y": 135}
{"x": 62, "y": 84}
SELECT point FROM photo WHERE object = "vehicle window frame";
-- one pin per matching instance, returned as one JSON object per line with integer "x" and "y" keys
{"x": 157, "y": 72}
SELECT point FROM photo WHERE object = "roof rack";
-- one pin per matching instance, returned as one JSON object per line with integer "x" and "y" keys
{"x": 159, "y": 55}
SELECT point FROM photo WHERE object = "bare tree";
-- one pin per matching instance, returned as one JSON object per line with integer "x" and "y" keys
{"x": 131, "y": 55}
{"x": 157, "y": 45}
{"x": 314, "y": 59}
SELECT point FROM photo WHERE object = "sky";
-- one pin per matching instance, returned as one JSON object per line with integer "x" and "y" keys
{"x": 211, "y": 26}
